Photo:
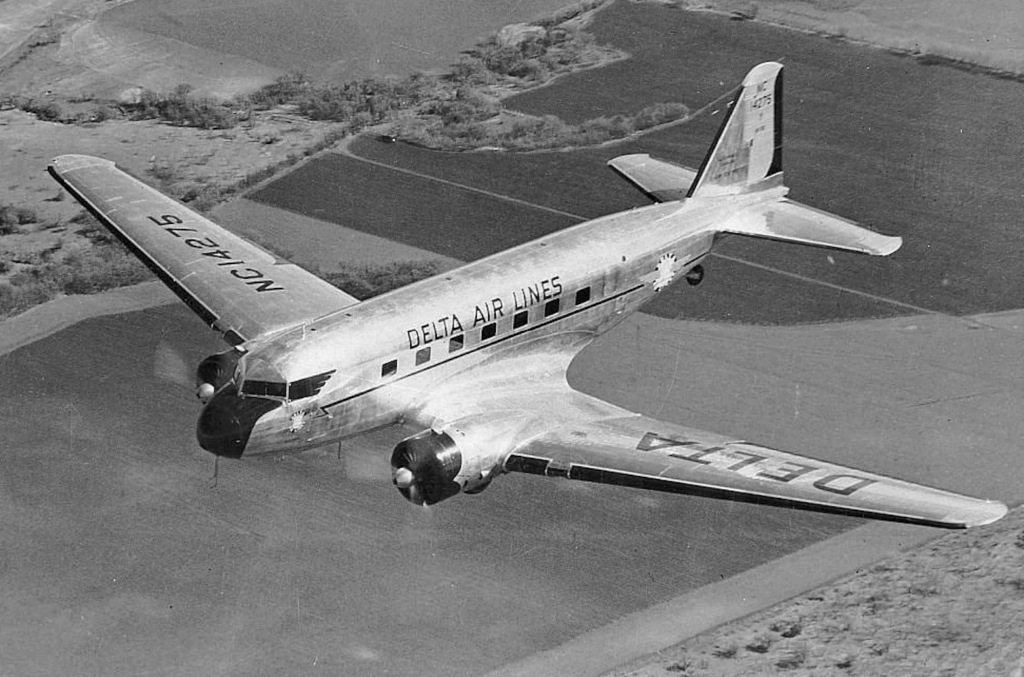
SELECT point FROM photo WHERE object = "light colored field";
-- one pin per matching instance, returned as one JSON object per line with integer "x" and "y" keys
{"x": 987, "y": 32}
{"x": 908, "y": 396}
{"x": 951, "y": 607}
{"x": 316, "y": 244}
{"x": 337, "y": 39}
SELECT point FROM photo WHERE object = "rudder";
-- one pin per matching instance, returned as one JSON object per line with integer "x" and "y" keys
{"x": 748, "y": 147}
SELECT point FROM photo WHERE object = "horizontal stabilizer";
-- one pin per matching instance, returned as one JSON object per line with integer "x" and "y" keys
{"x": 793, "y": 222}
{"x": 659, "y": 180}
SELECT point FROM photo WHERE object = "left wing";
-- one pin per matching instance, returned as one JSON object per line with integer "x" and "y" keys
{"x": 233, "y": 285}
{"x": 526, "y": 407}
{"x": 637, "y": 451}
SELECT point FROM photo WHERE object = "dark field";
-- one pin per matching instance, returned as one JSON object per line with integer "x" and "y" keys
{"x": 331, "y": 39}
{"x": 926, "y": 152}
{"x": 122, "y": 558}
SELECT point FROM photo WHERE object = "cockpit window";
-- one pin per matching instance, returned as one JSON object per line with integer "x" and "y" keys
{"x": 264, "y": 388}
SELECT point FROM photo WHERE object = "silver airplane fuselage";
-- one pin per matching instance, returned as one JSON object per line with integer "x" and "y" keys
{"x": 551, "y": 296}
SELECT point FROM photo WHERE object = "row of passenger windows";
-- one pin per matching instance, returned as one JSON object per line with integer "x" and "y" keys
{"x": 488, "y": 331}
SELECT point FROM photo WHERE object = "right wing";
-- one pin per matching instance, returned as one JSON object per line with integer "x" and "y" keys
{"x": 234, "y": 286}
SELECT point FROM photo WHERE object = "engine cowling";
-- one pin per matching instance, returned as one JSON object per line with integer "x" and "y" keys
{"x": 425, "y": 467}
{"x": 215, "y": 372}
{"x": 460, "y": 458}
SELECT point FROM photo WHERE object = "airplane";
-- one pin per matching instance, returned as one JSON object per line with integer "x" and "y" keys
{"x": 475, "y": 358}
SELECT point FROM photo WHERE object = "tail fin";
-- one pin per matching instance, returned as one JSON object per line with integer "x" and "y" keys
{"x": 748, "y": 147}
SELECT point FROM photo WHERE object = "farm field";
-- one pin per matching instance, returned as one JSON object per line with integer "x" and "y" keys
{"x": 328, "y": 39}
{"x": 281, "y": 569}
{"x": 126, "y": 558}
{"x": 925, "y": 152}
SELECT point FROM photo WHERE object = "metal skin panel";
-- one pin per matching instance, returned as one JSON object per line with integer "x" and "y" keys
{"x": 234, "y": 286}
{"x": 447, "y": 354}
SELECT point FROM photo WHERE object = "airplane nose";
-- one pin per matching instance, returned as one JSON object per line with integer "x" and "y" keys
{"x": 227, "y": 421}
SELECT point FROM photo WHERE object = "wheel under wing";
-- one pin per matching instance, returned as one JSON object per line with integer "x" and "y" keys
{"x": 237, "y": 287}
{"x": 650, "y": 454}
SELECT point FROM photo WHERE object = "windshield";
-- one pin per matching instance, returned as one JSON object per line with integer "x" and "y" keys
{"x": 264, "y": 388}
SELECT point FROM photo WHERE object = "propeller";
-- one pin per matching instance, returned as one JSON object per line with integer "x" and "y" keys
{"x": 214, "y": 372}
{"x": 363, "y": 463}
{"x": 170, "y": 365}
{"x": 424, "y": 467}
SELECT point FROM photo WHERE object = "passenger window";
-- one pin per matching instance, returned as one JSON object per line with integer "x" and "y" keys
{"x": 422, "y": 355}
{"x": 456, "y": 343}
{"x": 389, "y": 368}
{"x": 488, "y": 331}
{"x": 551, "y": 307}
{"x": 520, "y": 319}
{"x": 582, "y": 296}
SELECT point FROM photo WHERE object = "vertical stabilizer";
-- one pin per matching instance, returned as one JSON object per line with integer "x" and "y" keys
{"x": 748, "y": 147}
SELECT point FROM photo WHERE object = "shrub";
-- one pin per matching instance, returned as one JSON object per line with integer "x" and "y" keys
{"x": 659, "y": 114}
{"x": 792, "y": 656}
{"x": 285, "y": 89}
{"x": 17, "y": 298}
{"x": 786, "y": 628}
{"x": 91, "y": 229}
{"x": 9, "y": 220}
{"x": 759, "y": 644}
{"x": 44, "y": 110}
{"x": 97, "y": 269}
{"x": 25, "y": 215}
{"x": 182, "y": 109}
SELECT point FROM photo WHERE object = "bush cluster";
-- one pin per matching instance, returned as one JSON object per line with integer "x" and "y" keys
{"x": 12, "y": 218}
{"x": 358, "y": 103}
{"x": 182, "y": 109}
{"x": 86, "y": 272}
{"x": 528, "y": 132}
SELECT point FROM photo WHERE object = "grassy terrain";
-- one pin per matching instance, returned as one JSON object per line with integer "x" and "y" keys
{"x": 981, "y": 38}
{"x": 925, "y": 612}
{"x": 925, "y": 152}
{"x": 459, "y": 110}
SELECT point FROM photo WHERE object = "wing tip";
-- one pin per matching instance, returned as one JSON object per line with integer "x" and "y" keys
{"x": 986, "y": 512}
{"x": 886, "y": 244}
{"x": 71, "y": 161}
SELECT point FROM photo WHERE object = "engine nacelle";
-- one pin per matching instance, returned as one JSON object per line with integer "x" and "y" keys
{"x": 441, "y": 462}
{"x": 215, "y": 372}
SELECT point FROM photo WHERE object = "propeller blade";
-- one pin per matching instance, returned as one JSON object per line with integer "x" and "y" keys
{"x": 170, "y": 365}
